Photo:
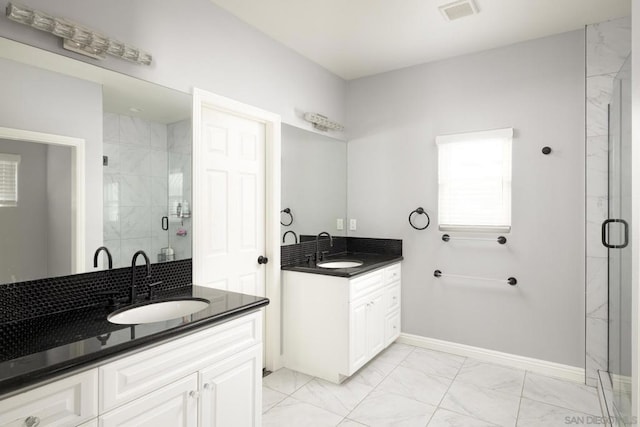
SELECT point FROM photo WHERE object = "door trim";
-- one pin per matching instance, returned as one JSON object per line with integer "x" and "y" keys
{"x": 78, "y": 161}
{"x": 273, "y": 312}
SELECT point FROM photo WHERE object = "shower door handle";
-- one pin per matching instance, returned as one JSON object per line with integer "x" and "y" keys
{"x": 605, "y": 226}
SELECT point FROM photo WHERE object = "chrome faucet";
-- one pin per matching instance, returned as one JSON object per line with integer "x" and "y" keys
{"x": 133, "y": 295}
{"x": 320, "y": 255}
{"x": 95, "y": 257}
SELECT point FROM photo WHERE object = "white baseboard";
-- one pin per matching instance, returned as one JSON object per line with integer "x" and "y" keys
{"x": 544, "y": 367}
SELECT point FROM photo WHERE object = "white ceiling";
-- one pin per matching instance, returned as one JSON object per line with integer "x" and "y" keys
{"x": 356, "y": 38}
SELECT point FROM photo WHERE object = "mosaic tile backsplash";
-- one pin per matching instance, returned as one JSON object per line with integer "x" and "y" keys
{"x": 34, "y": 298}
{"x": 294, "y": 254}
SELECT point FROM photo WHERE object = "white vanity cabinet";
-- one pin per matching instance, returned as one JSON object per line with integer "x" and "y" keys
{"x": 335, "y": 325}
{"x": 67, "y": 402}
{"x": 212, "y": 377}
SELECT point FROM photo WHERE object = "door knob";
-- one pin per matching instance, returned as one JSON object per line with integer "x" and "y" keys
{"x": 263, "y": 259}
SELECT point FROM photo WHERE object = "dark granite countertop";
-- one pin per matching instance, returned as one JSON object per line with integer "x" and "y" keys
{"x": 40, "y": 348}
{"x": 370, "y": 262}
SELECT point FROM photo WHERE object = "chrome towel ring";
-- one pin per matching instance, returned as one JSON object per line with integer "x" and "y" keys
{"x": 419, "y": 211}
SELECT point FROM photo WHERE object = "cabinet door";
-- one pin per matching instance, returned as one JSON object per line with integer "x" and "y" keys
{"x": 175, "y": 405}
{"x": 375, "y": 325}
{"x": 69, "y": 401}
{"x": 358, "y": 353}
{"x": 392, "y": 327}
{"x": 232, "y": 391}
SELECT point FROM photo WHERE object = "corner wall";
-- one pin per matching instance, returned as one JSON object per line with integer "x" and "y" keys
{"x": 536, "y": 87}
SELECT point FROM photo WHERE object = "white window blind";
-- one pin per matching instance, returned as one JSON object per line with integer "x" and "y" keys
{"x": 9, "y": 179}
{"x": 474, "y": 181}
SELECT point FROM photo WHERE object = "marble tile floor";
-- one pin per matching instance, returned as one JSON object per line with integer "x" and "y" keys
{"x": 410, "y": 386}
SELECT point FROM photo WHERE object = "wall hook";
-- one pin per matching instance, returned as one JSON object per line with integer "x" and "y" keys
{"x": 546, "y": 150}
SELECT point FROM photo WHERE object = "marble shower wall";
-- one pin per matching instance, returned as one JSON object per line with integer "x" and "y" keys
{"x": 135, "y": 187}
{"x": 607, "y": 46}
{"x": 149, "y": 167}
{"x": 179, "y": 143}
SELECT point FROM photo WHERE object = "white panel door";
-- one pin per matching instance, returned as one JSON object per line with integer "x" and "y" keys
{"x": 231, "y": 200}
{"x": 232, "y": 391}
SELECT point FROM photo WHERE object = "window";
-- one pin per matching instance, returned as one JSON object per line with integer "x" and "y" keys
{"x": 474, "y": 181}
{"x": 9, "y": 179}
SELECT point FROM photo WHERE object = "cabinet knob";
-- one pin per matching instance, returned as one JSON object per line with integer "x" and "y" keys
{"x": 194, "y": 394}
{"x": 32, "y": 422}
{"x": 208, "y": 386}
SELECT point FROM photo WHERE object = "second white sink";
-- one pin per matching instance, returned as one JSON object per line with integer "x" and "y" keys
{"x": 340, "y": 264}
{"x": 157, "y": 311}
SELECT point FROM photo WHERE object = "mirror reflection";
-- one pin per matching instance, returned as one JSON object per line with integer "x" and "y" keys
{"x": 314, "y": 184}
{"x": 136, "y": 141}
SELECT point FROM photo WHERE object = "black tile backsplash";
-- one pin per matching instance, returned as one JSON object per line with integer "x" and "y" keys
{"x": 294, "y": 254}
{"x": 34, "y": 298}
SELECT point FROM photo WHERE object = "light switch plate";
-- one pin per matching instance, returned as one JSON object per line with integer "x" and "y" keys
{"x": 352, "y": 224}
{"x": 340, "y": 224}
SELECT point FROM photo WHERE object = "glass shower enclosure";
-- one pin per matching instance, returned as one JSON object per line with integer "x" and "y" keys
{"x": 616, "y": 237}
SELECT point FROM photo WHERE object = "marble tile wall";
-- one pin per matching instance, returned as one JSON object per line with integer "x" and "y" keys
{"x": 135, "y": 187}
{"x": 179, "y": 143}
{"x": 607, "y": 46}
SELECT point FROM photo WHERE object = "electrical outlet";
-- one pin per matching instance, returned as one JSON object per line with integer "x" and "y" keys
{"x": 340, "y": 224}
{"x": 352, "y": 224}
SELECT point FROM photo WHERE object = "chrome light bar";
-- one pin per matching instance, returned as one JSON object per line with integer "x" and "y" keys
{"x": 322, "y": 123}
{"x": 77, "y": 38}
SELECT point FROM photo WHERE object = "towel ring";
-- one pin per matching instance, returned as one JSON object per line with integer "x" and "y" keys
{"x": 419, "y": 211}
{"x": 288, "y": 212}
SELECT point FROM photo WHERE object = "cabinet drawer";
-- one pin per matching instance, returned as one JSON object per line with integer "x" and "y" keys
{"x": 135, "y": 375}
{"x": 66, "y": 402}
{"x": 392, "y": 298}
{"x": 392, "y": 274}
{"x": 362, "y": 285}
{"x": 173, "y": 405}
{"x": 392, "y": 328}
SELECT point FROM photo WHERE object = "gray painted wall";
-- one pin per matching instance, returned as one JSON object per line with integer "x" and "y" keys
{"x": 59, "y": 189}
{"x": 537, "y": 88}
{"x": 23, "y": 229}
{"x": 314, "y": 182}
{"x": 196, "y": 43}
{"x": 42, "y": 101}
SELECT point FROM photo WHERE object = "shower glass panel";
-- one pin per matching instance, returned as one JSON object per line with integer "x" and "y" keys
{"x": 616, "y": 234}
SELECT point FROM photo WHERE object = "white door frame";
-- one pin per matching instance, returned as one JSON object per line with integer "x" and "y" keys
{"x": 77, "y": 146}
{"x": 273, "y": 356}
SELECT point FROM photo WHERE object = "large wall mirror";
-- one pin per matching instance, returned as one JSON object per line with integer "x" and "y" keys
{"x": 137, "y": 172}
{"x": 314, "y": 184}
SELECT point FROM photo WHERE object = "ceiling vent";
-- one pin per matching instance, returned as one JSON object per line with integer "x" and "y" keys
{"x": 458, "y": 9}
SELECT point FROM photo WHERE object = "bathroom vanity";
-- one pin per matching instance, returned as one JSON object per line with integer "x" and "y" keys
{"x": 336, "y": 320}
{"x": 201, "y": 369}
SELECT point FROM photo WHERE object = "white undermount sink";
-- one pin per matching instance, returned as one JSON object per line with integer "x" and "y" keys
{"x": 157, "y": 311}
{"x": 340, "y": 264}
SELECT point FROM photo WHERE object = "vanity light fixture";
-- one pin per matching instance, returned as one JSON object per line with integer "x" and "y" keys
{"x": 76, "y": 37}
{"x": 322, "y": 123}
